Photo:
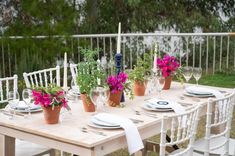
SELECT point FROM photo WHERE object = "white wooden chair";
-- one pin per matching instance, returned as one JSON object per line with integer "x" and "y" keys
{"x": 23, "y": 148}
{"x": 74, "y": 71}
{"x": 42, "y": 77}
{"x": 5, "y": 84}
{"x": 182, "y": 130}
{"x": 219, "y": 115}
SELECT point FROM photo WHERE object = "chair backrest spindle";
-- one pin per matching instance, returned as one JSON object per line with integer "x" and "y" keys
{"x": 5, "y": 84}
{"x": 36, "y": 78}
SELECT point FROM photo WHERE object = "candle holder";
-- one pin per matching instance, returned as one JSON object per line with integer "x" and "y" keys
{"x": 118, "y": 63}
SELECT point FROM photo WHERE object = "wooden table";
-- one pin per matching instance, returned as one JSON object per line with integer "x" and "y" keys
{"x": 67, "y": 135}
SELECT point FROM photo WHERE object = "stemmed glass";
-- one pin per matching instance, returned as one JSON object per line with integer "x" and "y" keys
{"x": 13, "y": 100}
{"x": 197, "y": 73}
{"x": 27, "y": 96}
{"x": 74, "y": 86}
{"x": 160, "y": 84}
{"x": 149, "y": 84}
{"x": 187, "y": 73}
{"x": 99, "y": 96}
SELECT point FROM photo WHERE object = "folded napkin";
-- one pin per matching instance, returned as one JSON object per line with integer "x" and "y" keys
{"x": 203, "y": 90}
{"x": 133, "y": 138}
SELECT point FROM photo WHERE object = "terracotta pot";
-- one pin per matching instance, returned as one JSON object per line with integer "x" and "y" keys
{"x": 115, "y": 98}
{"x": 88, "y": 105}
{"x": 139, "y": 88}
{"x": 167, "y": 84}
{"x": 51, "y": 116}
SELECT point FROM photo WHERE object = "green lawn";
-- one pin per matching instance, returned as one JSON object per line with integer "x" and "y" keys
{"x": 218, "y": 79}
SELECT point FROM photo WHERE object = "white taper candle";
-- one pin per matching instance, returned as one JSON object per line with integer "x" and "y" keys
{"x": 65, "y": 85}
{"x": 119, "y": 38}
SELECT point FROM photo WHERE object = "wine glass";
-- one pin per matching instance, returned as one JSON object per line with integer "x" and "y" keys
{"x": 13, "y": 100}
{"x": 197, "y": 73}
{"x": 99, "y": 96}
{"x": 160, "y": 84}
{"x": 149, "y": 84}
{"x": 187, "y": 73}
{"x": 27, "y": 96}
{"x": 74, "y": 86}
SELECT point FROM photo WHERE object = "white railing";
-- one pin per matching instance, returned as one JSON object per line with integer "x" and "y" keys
{"x": 211, "y": 51}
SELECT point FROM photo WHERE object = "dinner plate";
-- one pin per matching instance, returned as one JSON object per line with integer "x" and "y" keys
{"x": 22, "y": 107}
{"x": 158, "y": 104}
{"x": 198, "y": 90}
{"x": 197, "y": 95}
{"x": 149, "y": 108}
{"x": 98, "y": 122}
{"x": 91, "y": 124}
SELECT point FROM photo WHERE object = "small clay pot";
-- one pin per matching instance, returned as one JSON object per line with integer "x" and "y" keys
{"x": 167, "y": 84}
{"x": 115, "y": 98}
{"x": 51, "y": 116}
{"x": 139, "y": 88}
{"x": 88, "y": 105}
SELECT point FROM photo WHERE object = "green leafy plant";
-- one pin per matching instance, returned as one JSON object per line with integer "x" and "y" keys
{"x": 90, "y": 74}
{"x": 142, "y": 68}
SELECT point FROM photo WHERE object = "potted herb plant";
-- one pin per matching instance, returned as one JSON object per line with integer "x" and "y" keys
{"x": 88, "y": 77}
{"x": 116, "y": 83}
{"x": 168, "y": 66}
{"x": 138, "y": 74}
{"x": 51, "y": 99}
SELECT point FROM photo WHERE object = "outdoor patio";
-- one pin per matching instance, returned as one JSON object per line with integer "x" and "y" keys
{"x": 118, "y": 78}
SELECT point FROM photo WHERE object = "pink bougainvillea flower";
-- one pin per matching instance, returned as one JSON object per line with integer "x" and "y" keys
{"x": 117, "y": 82}
{"x": 48, "y": 97}
{"x": 168, "y": 65}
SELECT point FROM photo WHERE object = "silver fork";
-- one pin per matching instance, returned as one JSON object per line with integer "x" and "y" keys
{"x": 86, "y": 130}
{"x": 137, "y": 112}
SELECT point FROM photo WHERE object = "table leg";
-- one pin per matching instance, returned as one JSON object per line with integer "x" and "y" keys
{"x": 139, "y": 153}
{"x": 7, "y": 146}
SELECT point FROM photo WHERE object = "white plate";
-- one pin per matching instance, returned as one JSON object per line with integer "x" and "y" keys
{"x": 22, "y": 107}
{"x": 198, "y": 90}
{"x": 102, "y": 127}
{"x": 147, "y": 107}
{"x": 98, "y": 122}
{"x": 199, "y": 96}
{"x": 158, "y": 104}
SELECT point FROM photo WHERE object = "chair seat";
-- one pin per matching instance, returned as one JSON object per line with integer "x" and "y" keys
{"x": 24, "y": 148}
{"x": 199, "y": 145}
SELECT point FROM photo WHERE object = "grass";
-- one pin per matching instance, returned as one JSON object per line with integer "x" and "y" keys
{"x": 219, "y": 80}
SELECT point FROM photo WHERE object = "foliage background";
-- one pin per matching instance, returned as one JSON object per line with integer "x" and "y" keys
{"x": 68, "y": 17}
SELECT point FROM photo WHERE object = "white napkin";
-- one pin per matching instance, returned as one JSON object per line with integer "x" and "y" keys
{"x": 203, "y": 90}
{"x": 133, "y": 138}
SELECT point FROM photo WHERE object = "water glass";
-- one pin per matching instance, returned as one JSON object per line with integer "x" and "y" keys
{"x": 187, "y": 73}
{"x": 13, "y": 100}
{"x": 149, "y": 84}
{"x": 27, "y": 96}
{"x": 160, "y": 84}
{"x": 197, "y": 73}
{"x": 74, "y": 86}
{"x": 99, "y": 96}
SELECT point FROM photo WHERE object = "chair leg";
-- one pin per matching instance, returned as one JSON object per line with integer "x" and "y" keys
{"x": 52, "y": 152}
{"x": 144, "y": 151}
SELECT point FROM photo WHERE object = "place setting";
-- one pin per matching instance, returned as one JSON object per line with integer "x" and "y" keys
{"x": 17, "y": 107}
{"x": 111, "y": 122}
